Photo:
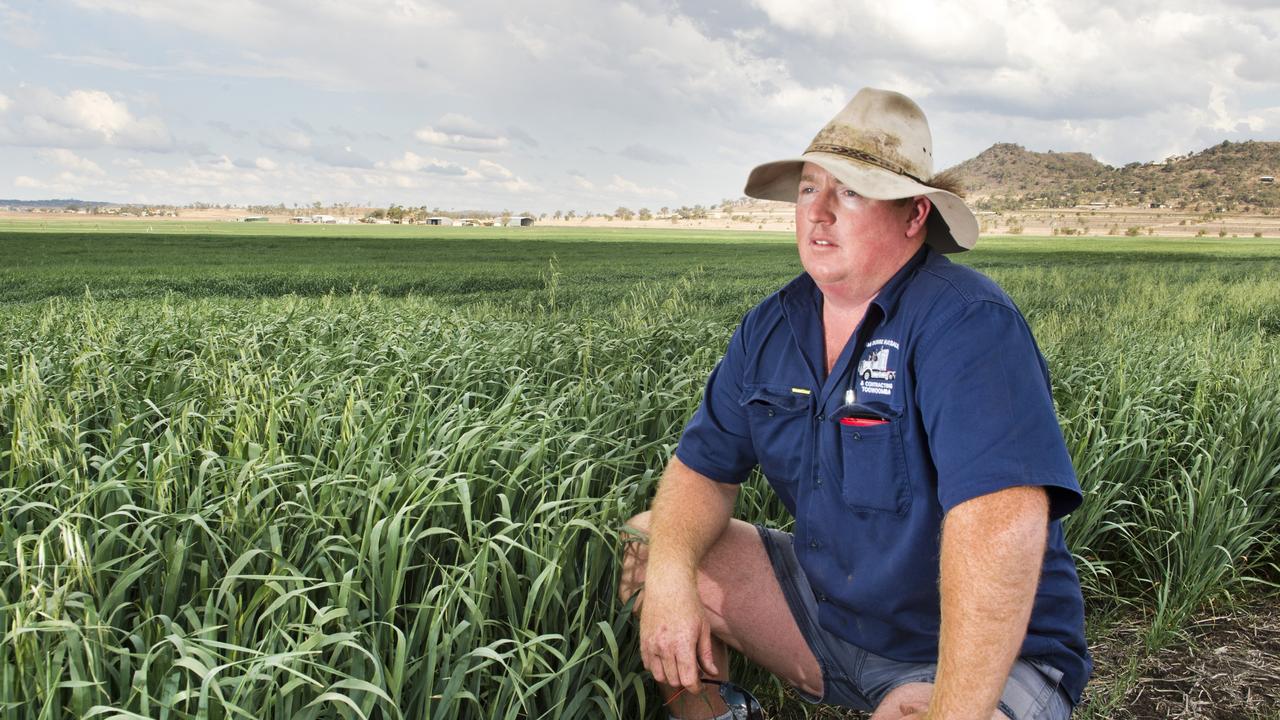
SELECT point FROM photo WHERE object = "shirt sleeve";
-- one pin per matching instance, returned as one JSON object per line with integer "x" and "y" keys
{"x": 717, "y": 440}
{"x": 987, "y": 406}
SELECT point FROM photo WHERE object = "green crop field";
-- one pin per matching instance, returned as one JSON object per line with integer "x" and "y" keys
{"x": 354, "y": 474}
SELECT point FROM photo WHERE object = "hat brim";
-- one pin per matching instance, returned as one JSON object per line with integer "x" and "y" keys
{"x": 780, "y": 180}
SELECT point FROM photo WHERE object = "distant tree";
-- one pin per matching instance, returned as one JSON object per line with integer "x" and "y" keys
{"x": 623, "y": 213}
{"x": 395, "y": 212}
{"x": 570, "y": 215}
{"x": 557, "y": 215}
{"x": 645, "y": 214}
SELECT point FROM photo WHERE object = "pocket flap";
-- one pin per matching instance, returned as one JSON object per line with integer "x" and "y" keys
{"x": 779, "y": 397}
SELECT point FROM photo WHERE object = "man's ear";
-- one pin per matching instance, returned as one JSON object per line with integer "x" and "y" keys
{"x": 919, "y": 217}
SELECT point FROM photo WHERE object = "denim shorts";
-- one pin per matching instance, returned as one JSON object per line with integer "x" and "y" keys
{"x": 858, "y": 679}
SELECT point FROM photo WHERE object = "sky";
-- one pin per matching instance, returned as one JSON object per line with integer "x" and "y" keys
{"x": 587, "y": 105}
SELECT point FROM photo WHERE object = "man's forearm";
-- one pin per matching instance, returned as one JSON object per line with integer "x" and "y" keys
{"x": 689, "y": 514}
{"x": 992, "y": 551}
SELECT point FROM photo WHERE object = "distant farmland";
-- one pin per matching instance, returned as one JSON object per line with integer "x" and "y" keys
{"x": 336, "y": 474}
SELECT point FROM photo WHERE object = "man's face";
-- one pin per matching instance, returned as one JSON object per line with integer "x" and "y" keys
{"x": 843, "y": 236}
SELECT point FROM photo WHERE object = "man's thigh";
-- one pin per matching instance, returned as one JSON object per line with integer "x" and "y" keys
{"x": 859, "y": 679}
{"x": 743, "y": 601}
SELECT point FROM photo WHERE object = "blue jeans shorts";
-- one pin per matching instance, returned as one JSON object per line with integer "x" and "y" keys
{"x": 858, "y": 679}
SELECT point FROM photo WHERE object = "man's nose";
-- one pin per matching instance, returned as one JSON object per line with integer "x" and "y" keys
{"x": 818, "y": 209}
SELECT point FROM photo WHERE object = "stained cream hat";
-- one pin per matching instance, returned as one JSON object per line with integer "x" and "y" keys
{"x": 879, "y": 145}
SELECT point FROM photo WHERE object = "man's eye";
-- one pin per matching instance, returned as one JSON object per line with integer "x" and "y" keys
{"x": 850, "y": 193}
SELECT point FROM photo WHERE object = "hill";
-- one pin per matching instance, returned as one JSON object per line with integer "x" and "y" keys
{"x": 1228, "y": 177}
{"x": 56, "y": 203}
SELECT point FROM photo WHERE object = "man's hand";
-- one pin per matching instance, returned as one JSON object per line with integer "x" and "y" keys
{"x": 675, "y": 637}
{"x": 689, "y": 514}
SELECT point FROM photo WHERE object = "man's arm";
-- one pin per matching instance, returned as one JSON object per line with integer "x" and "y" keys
{"x": 992, "y": 551}
{"x": 689, "y": 513}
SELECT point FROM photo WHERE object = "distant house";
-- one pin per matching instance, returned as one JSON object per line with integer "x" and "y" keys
{"x": 254, "y": 218}
{"x": 518, "y": 221}
{"x": 469, "y": 222}
{"x": 300, "y": 219}
{"x": 324, "y": 219}
{"x": 439, "y": 221}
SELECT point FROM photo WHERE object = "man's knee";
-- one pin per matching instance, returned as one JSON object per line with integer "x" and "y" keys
{"x": 635, "y": 553}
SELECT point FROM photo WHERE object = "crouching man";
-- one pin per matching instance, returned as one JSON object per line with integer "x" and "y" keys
{"x": 901, "y": 410}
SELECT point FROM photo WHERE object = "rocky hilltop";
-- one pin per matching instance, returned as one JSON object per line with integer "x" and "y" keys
{"x": 1228, "y": 177}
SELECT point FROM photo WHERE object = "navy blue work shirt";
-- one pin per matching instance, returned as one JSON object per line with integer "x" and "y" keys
{"x": 948, "y": 358}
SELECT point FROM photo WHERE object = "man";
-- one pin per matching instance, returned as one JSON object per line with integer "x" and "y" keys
{"x": 899, "y": 407}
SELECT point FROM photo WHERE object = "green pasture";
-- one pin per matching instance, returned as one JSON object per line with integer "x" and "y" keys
{"x": 348, "y": 476}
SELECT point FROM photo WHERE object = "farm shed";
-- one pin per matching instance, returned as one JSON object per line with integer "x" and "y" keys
{"x": 439, "y": 221}
{"x": 255, "y": 218}
{"x": 519, "y": 221}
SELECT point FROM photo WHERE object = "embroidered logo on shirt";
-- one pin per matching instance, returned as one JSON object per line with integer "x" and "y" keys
{"x": 875, "y": 371}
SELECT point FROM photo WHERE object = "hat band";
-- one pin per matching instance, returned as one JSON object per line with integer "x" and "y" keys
{"x": 865, "y": 157}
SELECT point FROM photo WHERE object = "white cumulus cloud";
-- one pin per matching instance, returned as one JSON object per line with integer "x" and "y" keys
{"x": 458, "y": 141}
{"x": 80, "y": 119}
{"x": 69, "y": 160}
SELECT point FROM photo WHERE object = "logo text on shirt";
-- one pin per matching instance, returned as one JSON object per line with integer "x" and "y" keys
{"x": 875, "y": 370}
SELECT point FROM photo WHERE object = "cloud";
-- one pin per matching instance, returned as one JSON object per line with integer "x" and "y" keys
{"x": 652, "y": 155}
{"x": 69, "y": 160}
{"x": 226, "y": 129}
{"x": 340, "y": 156}
{"x": 264, "y": 163}
{"x": 288, "y": 140}
{"x": 456, "y": 124}
{"x": 412, "y": 162}
{"x": 621, "y": 185}
{"x": 5, "y": 102}
{"x": 459, "y": 132}
{"x": 18, "y": 28}
{"x": 494, "y": 170}
{"x": 1012, "y": 57}
{"x": 80, "y": 119}
{"x": 581, "y": 182}
{"x": 521, "y": 136}
{"x": 343, "y": 132}
{"x": 111, "y": 62}
{"x": 301, "y": 143}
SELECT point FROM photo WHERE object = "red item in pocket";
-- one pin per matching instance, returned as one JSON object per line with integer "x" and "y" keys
{"x": 862, "y": 422}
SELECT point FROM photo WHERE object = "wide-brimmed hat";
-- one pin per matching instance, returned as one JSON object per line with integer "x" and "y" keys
{"x": 880, "y": 146}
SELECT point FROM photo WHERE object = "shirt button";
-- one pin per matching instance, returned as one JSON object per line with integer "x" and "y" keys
{"x": 821, "y": 597}
{"x": 769, "y": 413}
{"x": 857, "y": 436}
{"x": 818, "y": 482}
{"x": 821, "y": 418}
{"x": 813, "y": 544}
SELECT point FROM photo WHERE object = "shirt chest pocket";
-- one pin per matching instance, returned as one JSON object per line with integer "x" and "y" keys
{"x": 872, "y": 468}
{"x": 780, "y": 429}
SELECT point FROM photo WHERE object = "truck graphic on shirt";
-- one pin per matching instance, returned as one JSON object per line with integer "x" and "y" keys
{"x": 875, "y": 365}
